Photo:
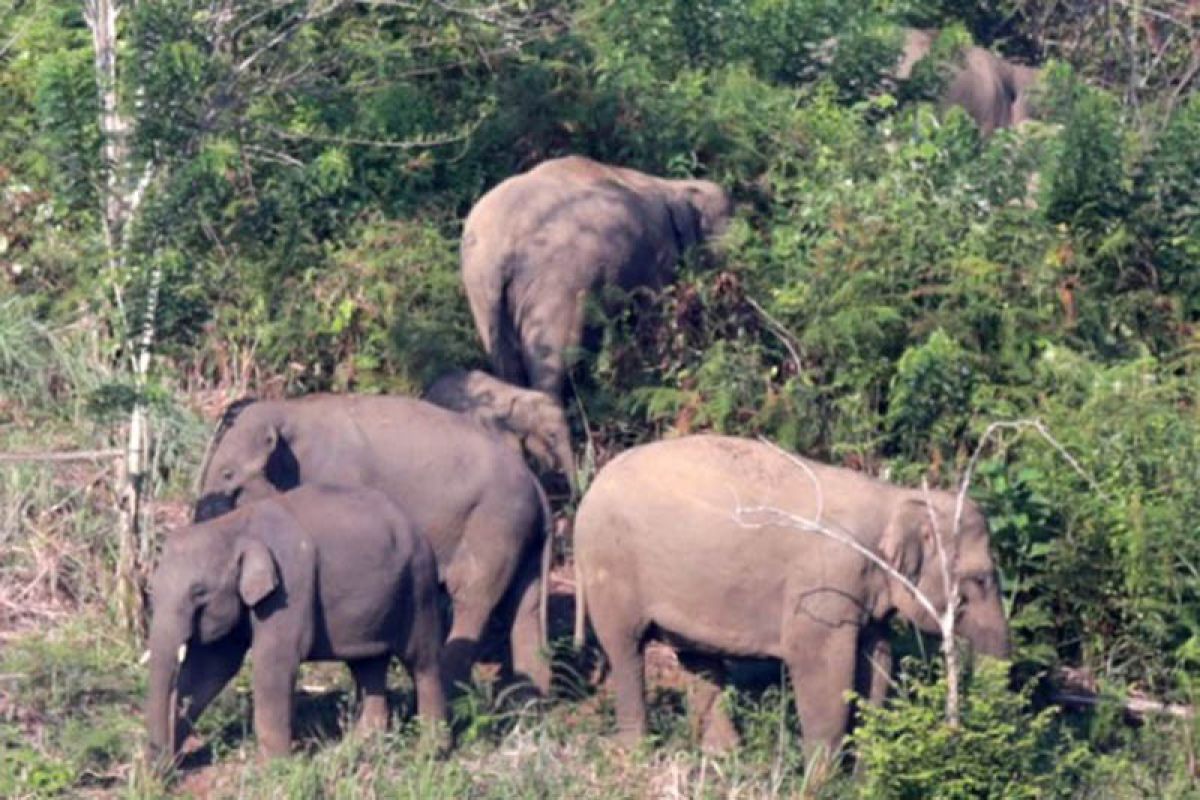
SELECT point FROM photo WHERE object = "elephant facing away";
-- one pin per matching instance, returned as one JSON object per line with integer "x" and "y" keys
{"x": 538, "y": 244}
{"x": 677, "y": 540}
{"x": 316, "y": 574}
{"x": 530, "y": 421}
{"x": 994, "y": 91}
{"x": 471, "y": 497}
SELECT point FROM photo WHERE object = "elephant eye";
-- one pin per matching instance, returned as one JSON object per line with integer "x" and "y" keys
{"x": 227, "y": 474}
{"x": 979, "y": 582}
{"x": 197, "y": 592}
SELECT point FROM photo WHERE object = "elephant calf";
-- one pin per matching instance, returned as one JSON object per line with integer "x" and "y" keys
{"x": 690, "y": 540}
{"x": 530, "y": 421}
{"x": 314, "y": 574}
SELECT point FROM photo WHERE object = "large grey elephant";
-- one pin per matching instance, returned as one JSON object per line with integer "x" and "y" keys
{"x": 538, "y": 244}
{"x": 468, "y": 494}
{"x": 530, "y": 421}
{"x": 316, "y": 574}
{"x": 995, "y": 92}
{"x": 699, "y": 541}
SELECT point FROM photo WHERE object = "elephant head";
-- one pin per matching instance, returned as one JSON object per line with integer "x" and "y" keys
{"x": 250, "y": 457}
{"x": 207, "y": 579}
{"x": 700, "y": 210}
{"x": 910, "y": 547}
{"x": 540, "y": 424}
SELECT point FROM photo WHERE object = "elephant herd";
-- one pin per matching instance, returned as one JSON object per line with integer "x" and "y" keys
{"x": 363, "y": 528}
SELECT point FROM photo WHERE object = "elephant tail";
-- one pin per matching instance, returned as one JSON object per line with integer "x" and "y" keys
{"x": 547, "y": 563}
{"x": 580, "y": 607}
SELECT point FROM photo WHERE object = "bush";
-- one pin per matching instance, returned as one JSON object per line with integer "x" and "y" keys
{"x": 1001, "y": 749}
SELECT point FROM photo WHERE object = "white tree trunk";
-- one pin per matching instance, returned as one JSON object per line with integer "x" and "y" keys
{"x": 121, "y": 196}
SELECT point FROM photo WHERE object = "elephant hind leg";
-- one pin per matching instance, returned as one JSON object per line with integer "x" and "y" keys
{"x": 710, "y": 723}
{"x": 530, "y": 660}
{"x": 551, "y": 332}
{"x": 476, "y": 578}
{"x": 506, "y": 351}
{"x": 621, "y": 630}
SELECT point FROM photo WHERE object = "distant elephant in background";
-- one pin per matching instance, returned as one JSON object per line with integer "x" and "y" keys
{"x": 995, "y": 92}
{"x": 538, "y": 244}
{"x": 530, "y": 421}
{"x": 470, "y": 496}
{"x": 689, "y": 540}
{"x": 316, "y": 574}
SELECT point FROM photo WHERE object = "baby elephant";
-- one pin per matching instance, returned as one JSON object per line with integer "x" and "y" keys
{"x": 715, "y": 544}
{"x": 530, "y": 421}
{"x": 314, "y": 574}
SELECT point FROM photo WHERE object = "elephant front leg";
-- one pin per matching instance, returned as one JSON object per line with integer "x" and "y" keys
{"x": 431, "y": 699}
{"x": 821, "y": 660}
{"x": 710, "y": 724}
{"x": 274, "y": 686}
{"x": 370, "y": 681}
{"x": 874, "y": 669}
{"x": 206, "y": 671}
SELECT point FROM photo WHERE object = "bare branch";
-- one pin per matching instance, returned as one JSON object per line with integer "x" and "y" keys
{"x": 812, "y": 475}
{"x": 61, "y": 457}
{"x": 781, "y": 332}
{"x": 287, "y": 30}
{"x": 394, "y": 144}
{"x": 777, "y": 516}
{"x": 1035, "y": 425}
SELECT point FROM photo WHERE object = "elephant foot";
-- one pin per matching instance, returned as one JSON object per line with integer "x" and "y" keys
{"x": 435, "y": 737}
{"x": 628, "y": 738}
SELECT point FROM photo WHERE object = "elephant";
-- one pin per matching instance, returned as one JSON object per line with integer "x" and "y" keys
{"x": 482, "y": 510}
{"x": 316, "y": 574}
{"x": 994, "y": 91}
{"x": 538, "y": 244}
{"x": 699, "y": 542}
{"x": 531, "y": 422}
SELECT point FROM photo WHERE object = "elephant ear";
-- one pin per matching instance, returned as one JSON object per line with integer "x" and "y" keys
{"x": 257, "y": 573}
{"x": 904, "y": 541}
{"x": 685, "y": 221}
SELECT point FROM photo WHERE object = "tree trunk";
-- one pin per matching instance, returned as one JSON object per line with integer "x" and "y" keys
{"x": 120, "y": 198}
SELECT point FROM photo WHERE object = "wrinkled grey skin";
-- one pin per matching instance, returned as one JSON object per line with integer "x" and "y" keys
{"x": 538, "y": 244}
{"x": 528, "y": 420}
{"x": 662, "y": 550}
{"x": 470, "y": 496}
{"x": 316, "y": 574}
{"x": 995, "y": 92}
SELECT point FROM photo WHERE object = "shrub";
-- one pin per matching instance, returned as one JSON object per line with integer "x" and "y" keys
{"x": 1001, "y": 749}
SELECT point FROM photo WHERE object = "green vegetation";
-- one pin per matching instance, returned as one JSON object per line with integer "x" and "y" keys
{"x": 892, "y": 285}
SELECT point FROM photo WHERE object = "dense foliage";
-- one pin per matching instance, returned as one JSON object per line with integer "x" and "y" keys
{"x": 893, "y": 283}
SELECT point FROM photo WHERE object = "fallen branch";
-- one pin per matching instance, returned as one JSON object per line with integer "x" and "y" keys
{"x": 1134, "y": 706}
{"x": 61, "y": 457}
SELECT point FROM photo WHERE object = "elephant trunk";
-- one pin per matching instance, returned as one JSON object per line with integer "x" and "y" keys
{"x": 993, "y": 643}
{"x": 168, "y": 648}
{"x": 162, "y": 706}
{"x": 987, "y": 630}
{"x": 566, "y": 460}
